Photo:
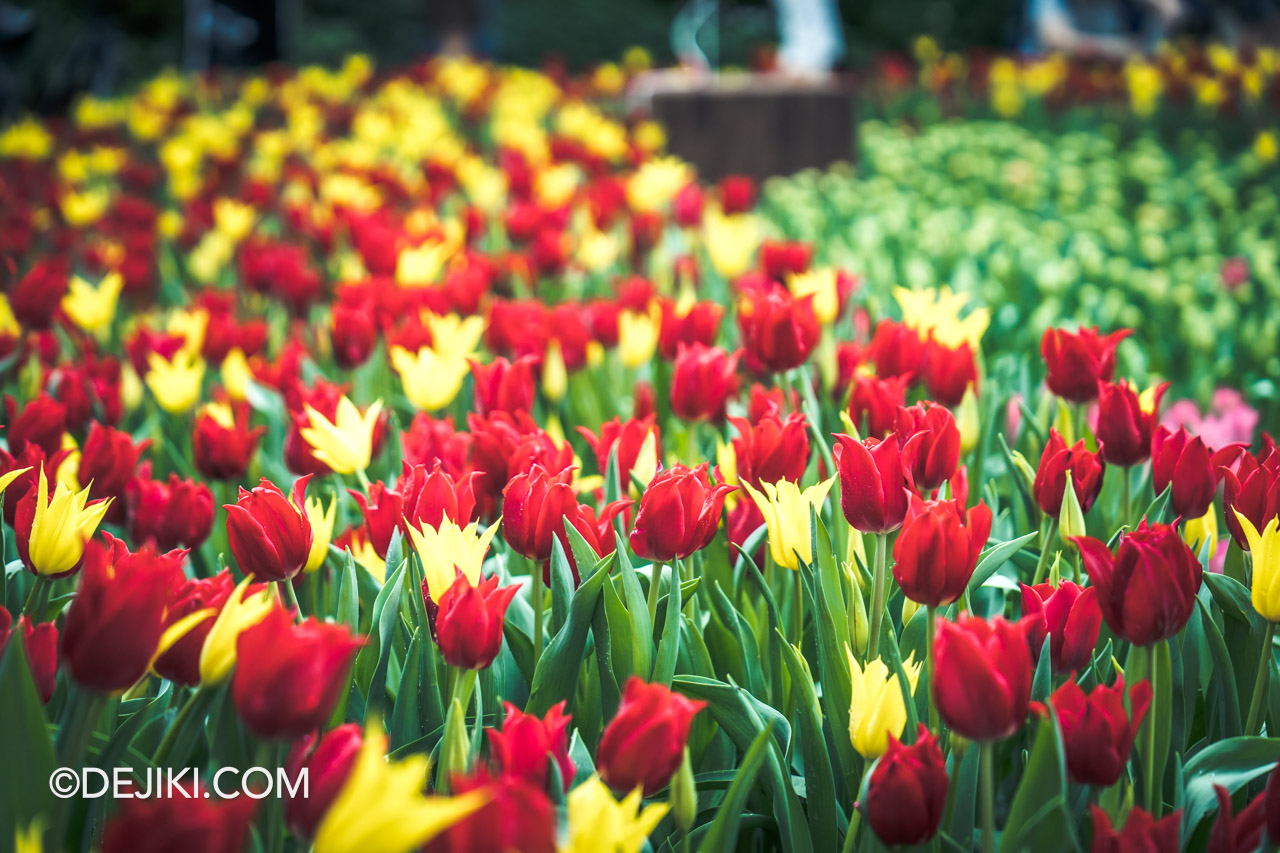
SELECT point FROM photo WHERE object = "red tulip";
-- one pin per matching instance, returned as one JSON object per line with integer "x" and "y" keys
{"x": 1087, "y": 470}
{"x": 982, "y": 684}
{"x": 288, "y": 677}
{"x": 107, "y": 463}
{"x": 515, "y": 817}
{"x": 40, "y": 645}
{"x": 194, "y": 823}
{"x": 1185, "y": 462}
{"x": 41, "y": 421}
{"x": 222, "y": 451}
{"x": 169, "y": 513}
{"x": 1096, "y": 732}
{"x": 949, "y": 372}
{"x": 534, "y": 507}
{"x": 1124, "y": 427}
{"x": 931, "y": 444}
{"x": 679, "y": 514}
{"x": 430, "y": 496}
{"x": 779, "y": 259}
{"x": 1077, "y": 361}
{"x": 626, "y": 437}
{"x": 908, "y": 791}
{"x": 686, "y": 206}
{"x": 1147, "y": 589}
{"x": 268, "y": 533}
{"x": 181, "y": 662}
{"x": 737, "y": 194}
{"x": 1141, "y": 834}
{"x": 383, "y": 511}
{"x": 468, "y": 622}
{"x": 1272, "y": 799}
{"x": 354, "y": 332}
{"x": 504, "y": 386}
{"x": 328, "y": 761}
{"x": 697, "y": 324}
{"x": 874, "y": 483}
{"x": 1069, "y": 615}
{"x": 878, "y": 400}
{"x": 119, "y": 612}
{"x": 1253, "y": 490}
{"x": 1237, "y": 833}
{"x": 897, "y": 351}
{"x": 937, "y": 550}
{"x": 34, "y": 299}
{"x": 778, "y": 330}
{"x": 526, "y": 744}
{"x": 644, "y": 742}
{"x": 771, "y": 449}
{"x": 702, "y": 381}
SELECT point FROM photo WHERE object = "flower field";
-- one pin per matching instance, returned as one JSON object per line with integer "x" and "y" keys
{"x": 433, "y": 435}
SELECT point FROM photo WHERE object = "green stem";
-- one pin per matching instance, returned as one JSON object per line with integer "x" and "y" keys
{"x": 877, "y": 600}
{"x": 1047, "y": 532}
{"x": 986, "y": 771}
{"x": 799, "y": 625}
{"x": 1149, "y": 735}
{"x": 1260, "y": 682}
{"x": 1124, "y": 496}
{"x": 363, "y": 478}
{"x": 855, "y": 818}
{"x": 464, "y": 682}
{"x": 290, "y": 597}
{"x": 655, "y": 582}
{"x": 931, "y": 616}
{"x": 37, "y": 599}
{"x": 161, "y": 755}
{"x": 536, "y": 601}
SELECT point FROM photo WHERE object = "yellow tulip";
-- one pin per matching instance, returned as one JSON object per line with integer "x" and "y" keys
{"x": 638, "y": 335}
{"x": 452, "y": 335}
{"x": 236, "y": 374}
{"x": 651, "y": 187}
{"x": 321, "y": 531}
{"x": 555, "y": 376}
{"x": 93, "y": 308}
{"x": 9, "y": 326}
{"x": 444, "y": 548}
{"x": 345, "y": 444}
{"x": 233, "y": 219}
{"x": 968, "y": 421}
{"x": 1198, "y": 531}
{"x": 360, "y": 546}
{"x": 786, "y": 512}
{"x": 877, "y": 710}
{"x": 1264, "y": 548}
{"x": 241, "y": 612}
{"x": 9, "y": 476}
{"x": 431, "y": 381}
{"x": 175, "y": 384}
{"x": 821, "y": 283}
{"x": 938, "y": 313}
{"x": 600, "y": 824}
{"x": 61, "y": 526}
{"x": 731, "y": 241}
{"x": 381, "y": 807}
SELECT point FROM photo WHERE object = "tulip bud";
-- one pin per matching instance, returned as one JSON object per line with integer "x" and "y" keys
{"x": 1070, "y": 516}
{"x": 1069, "y": 615}
{"x": 455, "y": 744}
{"x": 1060, "y": 465}
{"x": 907, "y": 792}
{"x": 877, "y": 711}
{"x": 968, "y": 422}
{"x": 931, "y": 444}
{"x": 1184, "y": 462}
{"x": 679, "y": 514}
{"x": 778, "y": 330}
{"x": 684, "y": 795}
{"x": 768, "y": 450}
{"x": 1125, "y": 424}
{"x": 938, "y": 548}
{"x": 1077, "y": 361}
{"x": 859, "y": 629}
{"x": 1024, "y": 469}
{"x": 555, "y": 376}
{"x": 469, "y": 622}
{"x": 702, "y": 381}
{"x": 645, "y": 741}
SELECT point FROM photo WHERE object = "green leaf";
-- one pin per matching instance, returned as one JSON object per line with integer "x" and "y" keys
{"x": 1042, "y": 684}
{"x": 557, "y": 671}
{"x": 405, "y": 714}
{"x": 561, "y": 584}
{"x": 638, "y": 610}
{"x": 820, "y": 784}
{"x": 722, "y": 833}
{"x": 24, "y": 743}
{"x": 995, "y": 557}
{"x": 1038, "y": 816}
{"x": 1161, "y": 712}
{"x": 386, "y": 615}
{"x": 349, "y": 595}
{"x": 1232, "y": 764}
{"x": 664, "y": 668}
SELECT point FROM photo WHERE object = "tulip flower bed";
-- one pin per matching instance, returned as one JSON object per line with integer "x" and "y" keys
{"x": 433, "y": 433}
